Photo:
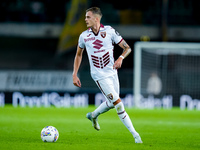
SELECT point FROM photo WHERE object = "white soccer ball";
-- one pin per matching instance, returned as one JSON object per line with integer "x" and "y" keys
{"x": 49, "y": 134}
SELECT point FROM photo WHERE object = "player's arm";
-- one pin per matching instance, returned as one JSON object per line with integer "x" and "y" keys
{"x": 77, "y": 62}
{"x": 126, "y": 51}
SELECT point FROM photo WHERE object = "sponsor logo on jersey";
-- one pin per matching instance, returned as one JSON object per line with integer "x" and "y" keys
{"x": 89, "y": 39}
{"x": 103, "y": 50}
{"x": 97, "y": 44}
{"x": 117, "y": 33}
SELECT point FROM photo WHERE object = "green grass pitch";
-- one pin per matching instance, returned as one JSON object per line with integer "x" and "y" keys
{"x": 160, "y": 129}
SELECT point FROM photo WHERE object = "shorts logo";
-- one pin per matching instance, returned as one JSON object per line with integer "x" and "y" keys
{"x": 103, "y": 34}
{"x": 110, "y": 96}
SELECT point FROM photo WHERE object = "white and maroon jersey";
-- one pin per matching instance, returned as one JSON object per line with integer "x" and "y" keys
{"x": 100, "y": 48}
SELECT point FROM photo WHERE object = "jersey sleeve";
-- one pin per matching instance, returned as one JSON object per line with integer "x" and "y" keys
{"x": 81, "y": 42}
{"x": 116, "y": 37}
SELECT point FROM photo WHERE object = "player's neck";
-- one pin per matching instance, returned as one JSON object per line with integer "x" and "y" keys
{"x": 96, "y": 28}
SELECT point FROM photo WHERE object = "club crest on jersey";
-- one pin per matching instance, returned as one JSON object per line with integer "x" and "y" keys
{"x": 110, "y": 96}
{"x": 103, "y": 34}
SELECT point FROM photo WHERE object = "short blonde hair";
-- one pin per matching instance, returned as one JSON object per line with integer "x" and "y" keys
{"x": 95, "y": 10}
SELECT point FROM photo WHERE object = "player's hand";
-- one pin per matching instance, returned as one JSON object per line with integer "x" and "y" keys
{"x": 76, "y": 81}
{"x": 118, "y": 63}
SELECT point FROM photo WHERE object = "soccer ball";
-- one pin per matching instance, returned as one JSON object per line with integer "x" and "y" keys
{"x": 49, "y": 134}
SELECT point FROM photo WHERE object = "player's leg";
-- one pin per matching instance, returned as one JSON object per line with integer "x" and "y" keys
{"x": 110, "y": 88}
{"x": 104, "y": 107}
{"x": 124, "y": 117}
{"x": 93, "y": 116}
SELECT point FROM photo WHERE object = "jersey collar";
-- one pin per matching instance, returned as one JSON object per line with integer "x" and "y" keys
{"x": 101, "y": 28}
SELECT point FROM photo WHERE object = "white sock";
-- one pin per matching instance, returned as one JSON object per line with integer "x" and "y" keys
{"x": 104, "y": 107}
{"x": 124, "y": 117}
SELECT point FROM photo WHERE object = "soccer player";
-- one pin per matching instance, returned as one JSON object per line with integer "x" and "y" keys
{"x": 98, "y": 41}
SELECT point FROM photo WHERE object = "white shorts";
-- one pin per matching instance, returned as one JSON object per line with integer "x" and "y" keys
{"x": 109, "y": 88}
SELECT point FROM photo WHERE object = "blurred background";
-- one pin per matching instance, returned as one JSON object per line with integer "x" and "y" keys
{"x": 42, "y": 35}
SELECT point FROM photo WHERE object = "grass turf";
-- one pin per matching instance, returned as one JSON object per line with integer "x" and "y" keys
{"x": 160, "y": 129}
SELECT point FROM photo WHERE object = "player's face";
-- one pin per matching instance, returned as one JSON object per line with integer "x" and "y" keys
{"x": 90, "y": 19}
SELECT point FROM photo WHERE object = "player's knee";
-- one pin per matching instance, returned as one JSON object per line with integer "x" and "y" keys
{"x": 110, "y": 105}
{"x": 119, "y": 107}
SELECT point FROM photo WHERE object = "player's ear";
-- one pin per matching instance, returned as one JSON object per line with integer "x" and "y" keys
{"x": 97, "y": 18}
